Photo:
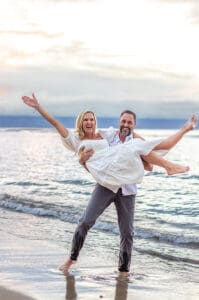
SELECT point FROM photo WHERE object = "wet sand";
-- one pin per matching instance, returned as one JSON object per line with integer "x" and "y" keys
{"x": 30, "y": 267}
{"x": 6, "y": 294}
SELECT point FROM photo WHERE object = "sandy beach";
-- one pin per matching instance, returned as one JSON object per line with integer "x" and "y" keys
{"x": 30, "y": 267}
{"x": 6, "y": 294}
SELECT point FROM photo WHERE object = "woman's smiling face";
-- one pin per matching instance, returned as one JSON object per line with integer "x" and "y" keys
{"x": 89, "y": 124}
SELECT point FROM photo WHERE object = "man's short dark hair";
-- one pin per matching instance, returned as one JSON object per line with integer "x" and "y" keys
{"x": 130, "y": 112}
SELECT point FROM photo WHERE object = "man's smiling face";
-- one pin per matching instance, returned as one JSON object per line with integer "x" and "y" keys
{"x": 127, "y": 124}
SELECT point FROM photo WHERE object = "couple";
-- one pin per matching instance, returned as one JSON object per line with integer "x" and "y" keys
{"x": 123, "y": 195}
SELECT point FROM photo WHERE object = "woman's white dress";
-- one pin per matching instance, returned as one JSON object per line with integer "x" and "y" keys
{"x": 121, "y": 164}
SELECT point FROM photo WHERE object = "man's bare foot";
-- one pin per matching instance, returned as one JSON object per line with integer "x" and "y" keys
{"x": 176, "y": 169}
{"x": 191, "y": 124}
{"x": 66, "y": 266}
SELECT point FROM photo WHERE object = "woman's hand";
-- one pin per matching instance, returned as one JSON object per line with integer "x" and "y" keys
{"x": 32, "y": 102}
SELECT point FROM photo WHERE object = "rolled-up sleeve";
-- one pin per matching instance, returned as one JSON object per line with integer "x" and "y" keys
{"x": 71, "y": 142}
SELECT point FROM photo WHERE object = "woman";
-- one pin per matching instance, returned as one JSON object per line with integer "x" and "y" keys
{"x": 118, "y": 165}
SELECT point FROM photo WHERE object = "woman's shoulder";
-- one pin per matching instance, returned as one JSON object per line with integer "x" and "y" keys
{"x": 107, "y": 133}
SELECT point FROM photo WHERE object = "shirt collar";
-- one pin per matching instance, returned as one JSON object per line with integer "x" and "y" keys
{"x": 117, "y": 139}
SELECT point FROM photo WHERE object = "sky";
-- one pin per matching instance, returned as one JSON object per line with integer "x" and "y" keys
{"x": 104, "y": 55}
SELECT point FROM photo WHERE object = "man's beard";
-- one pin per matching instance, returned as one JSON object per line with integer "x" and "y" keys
{"x": 125, "y": 131}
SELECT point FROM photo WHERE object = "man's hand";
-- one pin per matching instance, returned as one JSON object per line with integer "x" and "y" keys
{"x": 147, "y": 166}
{"x": 84, "y": 155}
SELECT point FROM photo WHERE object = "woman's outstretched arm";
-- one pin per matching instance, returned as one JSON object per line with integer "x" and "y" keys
{"x": 33, "y": 102}
{"x": 172, "y": 140}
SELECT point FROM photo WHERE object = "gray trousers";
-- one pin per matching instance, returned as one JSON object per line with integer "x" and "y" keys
{"x": 101, "y": 198}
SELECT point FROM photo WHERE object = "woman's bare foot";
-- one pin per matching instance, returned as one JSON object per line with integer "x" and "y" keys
{"x": 66, "y": 266}
{"x": 191, "y": 124}
{"x": 176, "y": 169}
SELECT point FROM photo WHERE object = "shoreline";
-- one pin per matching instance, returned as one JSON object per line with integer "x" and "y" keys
{"x": 29, "y": 269}
{"x": 9, "y": 294}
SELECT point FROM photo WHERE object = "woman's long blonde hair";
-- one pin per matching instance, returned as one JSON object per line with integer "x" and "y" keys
{"x": 79, "y": 122}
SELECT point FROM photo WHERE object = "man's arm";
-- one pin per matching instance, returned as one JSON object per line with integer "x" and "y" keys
{"x": 147, "y": 165}
{"x": 137, "y": 136}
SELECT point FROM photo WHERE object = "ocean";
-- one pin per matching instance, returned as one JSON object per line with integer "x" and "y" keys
{"x": 35, "y": 121}
{"x": 44, "y": 192}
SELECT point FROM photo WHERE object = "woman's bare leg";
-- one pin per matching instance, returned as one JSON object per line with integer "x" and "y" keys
{"x": 171, "y": 141}
{"x": 171, "y": 168}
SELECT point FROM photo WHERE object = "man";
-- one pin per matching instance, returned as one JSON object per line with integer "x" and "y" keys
{"x": 124, "y": 198}
{"x": 102, "y": 197}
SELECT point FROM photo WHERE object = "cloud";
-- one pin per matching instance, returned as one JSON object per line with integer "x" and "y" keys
{"x": 192, "y": 6}
{"x": 75, "y": 48}
{"x": 194, "y": 13}
{"x": 34, "y": 33}
{"x": 63, "y": 1}
{"x": 131, "y": 64}
{"x": 3, "y": 91}
{"x": 112, "y": 70}
{"x": 177, "y": 1}
{"x": 72, "y": 1}
{"x": 51, "y": 54}
{"x": 9, "y": 55}
{"x": 66, "y": 92}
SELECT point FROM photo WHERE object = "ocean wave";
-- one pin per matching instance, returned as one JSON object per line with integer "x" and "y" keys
{"x": 65, "y": 182}
{"x": 192, "y": 212}
{"x": 166, "y": 256}
{"x": 39, "y": 208}
{"x": 187, "y": 176}
{"x": 180, "y": 176}
{"x": 42, "y": 209}
{"x": 25, "y": 129}
{"x": 72, "y": 214}
{"x": 156, "y": 173}
{"x": 168, "y": 237}
{"x": 75, "y": 182}
{"x": 26, "y": 183}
